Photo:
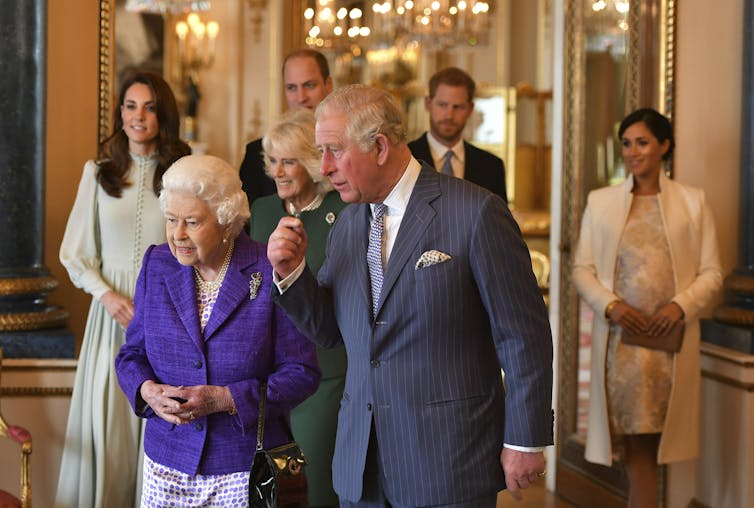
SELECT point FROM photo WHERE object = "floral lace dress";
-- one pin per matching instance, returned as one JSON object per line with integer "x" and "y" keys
{"x": 639, "y": 379}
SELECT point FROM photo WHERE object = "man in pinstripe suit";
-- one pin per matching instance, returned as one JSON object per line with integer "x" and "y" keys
{"x": 424, "y": 420}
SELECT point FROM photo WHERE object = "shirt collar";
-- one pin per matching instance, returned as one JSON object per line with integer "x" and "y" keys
{"x": 397, "y": 200}
{"x": 438, "y": 150}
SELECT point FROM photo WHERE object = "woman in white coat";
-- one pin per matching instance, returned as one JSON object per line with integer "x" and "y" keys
{"x": 647, "y": 258}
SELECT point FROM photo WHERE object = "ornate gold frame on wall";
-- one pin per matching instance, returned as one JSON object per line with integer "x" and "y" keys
{"x": 105, "y": 88}
{"x": 649, "y": 83}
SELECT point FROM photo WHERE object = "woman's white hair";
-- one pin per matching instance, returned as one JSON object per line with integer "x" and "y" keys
{"x": 292, "y": 137}
{"x": 215, "y": 182}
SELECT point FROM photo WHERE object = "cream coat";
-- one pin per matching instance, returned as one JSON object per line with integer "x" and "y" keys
{"x": 690, "y": 230}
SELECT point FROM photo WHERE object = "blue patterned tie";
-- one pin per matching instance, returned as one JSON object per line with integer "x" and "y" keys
{"x": 374, "y": 253}
{"x": 447, "y": 168}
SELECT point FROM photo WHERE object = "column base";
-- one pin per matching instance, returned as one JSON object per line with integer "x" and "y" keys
{"x": 738, "y": 338}
{"x": 50, "y": 343}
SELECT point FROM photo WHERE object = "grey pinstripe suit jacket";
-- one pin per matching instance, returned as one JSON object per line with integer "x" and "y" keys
{"x": 427, "y": 368}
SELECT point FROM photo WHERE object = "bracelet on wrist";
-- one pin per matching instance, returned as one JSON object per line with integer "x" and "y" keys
{"x": 610, "y": 307}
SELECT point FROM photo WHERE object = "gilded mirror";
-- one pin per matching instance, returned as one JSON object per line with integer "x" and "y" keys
{"x": 613, "y": 64}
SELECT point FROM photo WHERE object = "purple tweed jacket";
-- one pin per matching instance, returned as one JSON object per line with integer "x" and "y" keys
{"x": 246, "y": 341}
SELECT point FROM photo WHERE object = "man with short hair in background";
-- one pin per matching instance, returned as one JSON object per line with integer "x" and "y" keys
{"x": 306, "y": 81}
{"x": 450, "y": 103}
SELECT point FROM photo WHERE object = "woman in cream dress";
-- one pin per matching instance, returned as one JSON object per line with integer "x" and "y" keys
{"x": 115, "y": 217}
{"x": 647, "y": 258}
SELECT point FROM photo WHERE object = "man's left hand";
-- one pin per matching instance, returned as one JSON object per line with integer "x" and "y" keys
{"x": 521, "y": 470}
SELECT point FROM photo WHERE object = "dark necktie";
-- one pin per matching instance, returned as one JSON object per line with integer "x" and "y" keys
{"x": 447, "y": 167}
{"x": 374, "y": 253}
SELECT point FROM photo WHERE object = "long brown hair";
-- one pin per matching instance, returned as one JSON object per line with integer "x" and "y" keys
{"x": 113, "y": 152}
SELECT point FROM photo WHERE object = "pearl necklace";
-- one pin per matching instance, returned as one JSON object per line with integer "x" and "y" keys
{"x": 308, "y": 208}
{"x": 211, "y": 287}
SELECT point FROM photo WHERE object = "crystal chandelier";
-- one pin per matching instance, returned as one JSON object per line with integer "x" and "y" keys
{"x": 331, "y": 27}
{"x": 606, "y": 25}
{"x": 611, "y": 12}
{"x": 167, "y": 6}
{"x": 435, "y": 24}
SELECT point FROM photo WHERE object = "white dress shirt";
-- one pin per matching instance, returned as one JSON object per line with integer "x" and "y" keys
{"x": 438, "y": 150}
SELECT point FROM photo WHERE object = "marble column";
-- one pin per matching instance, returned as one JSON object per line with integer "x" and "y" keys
{"x": 29, "y": 327}
{"x": 733, "y": 326}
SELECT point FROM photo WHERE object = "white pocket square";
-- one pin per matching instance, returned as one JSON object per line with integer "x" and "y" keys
{"x": 431, "y": 257}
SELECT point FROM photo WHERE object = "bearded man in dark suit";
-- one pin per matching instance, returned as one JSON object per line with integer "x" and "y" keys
{"x": 450, "y": 103}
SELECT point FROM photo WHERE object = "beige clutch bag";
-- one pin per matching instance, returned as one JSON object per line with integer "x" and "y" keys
{"x": 670, "y": 342}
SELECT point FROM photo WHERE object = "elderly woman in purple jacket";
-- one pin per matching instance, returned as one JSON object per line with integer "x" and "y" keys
{"x": 205, "y": 335}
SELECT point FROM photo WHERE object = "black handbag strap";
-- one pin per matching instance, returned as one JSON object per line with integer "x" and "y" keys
{"x": 260, "y": 421}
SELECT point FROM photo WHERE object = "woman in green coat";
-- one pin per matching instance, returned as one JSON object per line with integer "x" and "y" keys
{"x": 292, "y": 161}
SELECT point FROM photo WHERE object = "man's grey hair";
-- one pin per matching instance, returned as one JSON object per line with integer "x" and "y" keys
{"x": 369, "y": 111}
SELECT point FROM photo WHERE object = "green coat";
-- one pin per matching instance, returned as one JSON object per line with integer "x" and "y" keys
{"x": 315, "y": 420}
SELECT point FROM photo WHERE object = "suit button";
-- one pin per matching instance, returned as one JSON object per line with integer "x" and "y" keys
{"x": 199, "y": 427}
{"x": 197, "y": 364}
{"x": 369, "y": 407}
{"x": 375, "y": 363}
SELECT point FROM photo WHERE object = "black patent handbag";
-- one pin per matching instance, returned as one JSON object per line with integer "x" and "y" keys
{"x": 277, "y": 478}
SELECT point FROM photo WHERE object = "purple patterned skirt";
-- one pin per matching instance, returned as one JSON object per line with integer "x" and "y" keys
{"x": 167, "y": 487}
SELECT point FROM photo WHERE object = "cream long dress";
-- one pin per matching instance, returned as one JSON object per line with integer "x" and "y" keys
{"x": 102, "y": 249}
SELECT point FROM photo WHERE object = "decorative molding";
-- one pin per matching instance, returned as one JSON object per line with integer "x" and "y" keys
{"x": 255, "y": 122}
{"x": 257, "y": 9}
{"x": 633, "y": 53}
{"x": 727, "y": 355}
{"x": 106, "y": 39}
{"x": 739, "y": 283}
{"x": 35, "y": 391}
{"x": 573, "y": 122}
{"x": 738, "y": 287}
{"x": 27, "y": 285}
{"x": 668, "y": 41}
{"x": 726, "y": 380}
{"x": 734, "y": 315}
{"x": 22, "y": 321}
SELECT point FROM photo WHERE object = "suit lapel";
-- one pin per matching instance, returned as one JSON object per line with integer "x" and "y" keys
{"x": 235, "y": 287}
{"x": 415, "y": 221}
{"x": 183, "y": 296}
{"x": 423, "y": 152}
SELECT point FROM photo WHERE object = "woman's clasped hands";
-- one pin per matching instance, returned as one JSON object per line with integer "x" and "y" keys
{"x": 183, "y": 404}
{"x": 635, "y": 323}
